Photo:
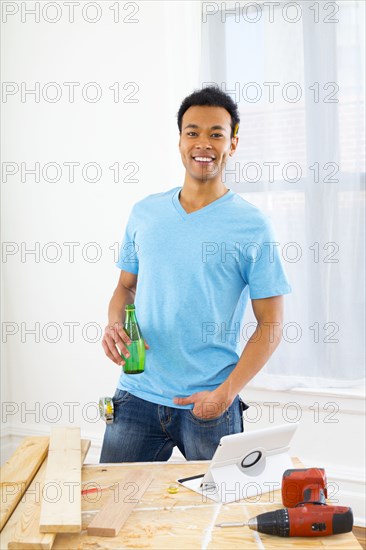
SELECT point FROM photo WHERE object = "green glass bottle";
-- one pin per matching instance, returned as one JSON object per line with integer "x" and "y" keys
{"x": 136, "y": 362}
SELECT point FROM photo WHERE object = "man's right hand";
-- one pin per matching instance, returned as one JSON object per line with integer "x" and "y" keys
{"x": 115, "y": 335}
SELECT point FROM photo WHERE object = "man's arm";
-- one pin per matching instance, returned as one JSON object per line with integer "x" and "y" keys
{"x": 114, "y": 333}
{"x": 124, "y": 294}
{"x": 258, "y": 349}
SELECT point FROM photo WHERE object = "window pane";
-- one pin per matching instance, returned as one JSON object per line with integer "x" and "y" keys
{"x": 265, "y": 64}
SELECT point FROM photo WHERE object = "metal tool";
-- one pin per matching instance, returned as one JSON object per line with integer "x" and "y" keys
{"x": 106, "y": 409}
{"x": 304, "y": 492}
{"x": 252, "y": 524}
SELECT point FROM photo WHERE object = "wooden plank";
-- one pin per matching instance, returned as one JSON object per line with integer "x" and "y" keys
{"x": 18, "y": 472}
{"x": 61, "y": 502}
{"x": 114, "y": 514}
{"x": 26, "y": 534}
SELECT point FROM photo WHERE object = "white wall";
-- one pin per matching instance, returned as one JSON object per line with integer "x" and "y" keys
{"x": 161, "y": 55}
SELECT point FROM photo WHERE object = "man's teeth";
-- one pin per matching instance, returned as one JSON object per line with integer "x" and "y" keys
{"x": 203, "y": 159}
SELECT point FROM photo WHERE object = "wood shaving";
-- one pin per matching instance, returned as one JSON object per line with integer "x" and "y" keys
{"x": 92, "y": 546}
{"x": 150, "y": 531}
{"x": 137, "y": 545}
{"x": 164, "y": 527}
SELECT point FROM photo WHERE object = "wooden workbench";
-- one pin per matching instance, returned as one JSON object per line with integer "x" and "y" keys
{"x": 178, "y": 521}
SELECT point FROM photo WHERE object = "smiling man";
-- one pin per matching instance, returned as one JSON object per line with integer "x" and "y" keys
{"x": 189, "y": 259}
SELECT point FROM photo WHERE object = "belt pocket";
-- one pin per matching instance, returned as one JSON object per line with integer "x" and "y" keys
{"x": 120, "y": 396}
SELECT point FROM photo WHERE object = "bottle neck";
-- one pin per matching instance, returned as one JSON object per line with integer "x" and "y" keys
{"x": 130, "y": 316}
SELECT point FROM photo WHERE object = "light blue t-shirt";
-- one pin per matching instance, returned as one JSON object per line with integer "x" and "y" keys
{"x": 194, "y": 273}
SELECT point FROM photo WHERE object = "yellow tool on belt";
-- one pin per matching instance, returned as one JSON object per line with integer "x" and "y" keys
{"x": 106, "y": 409}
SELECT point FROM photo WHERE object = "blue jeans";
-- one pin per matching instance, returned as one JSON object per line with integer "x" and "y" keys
{"x": 146, "y": 432}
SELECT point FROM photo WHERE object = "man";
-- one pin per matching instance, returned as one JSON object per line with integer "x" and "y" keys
{"x": 188, "y": 259}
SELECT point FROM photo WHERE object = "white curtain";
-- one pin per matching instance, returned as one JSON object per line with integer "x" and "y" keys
{"x": 297, "y": 72}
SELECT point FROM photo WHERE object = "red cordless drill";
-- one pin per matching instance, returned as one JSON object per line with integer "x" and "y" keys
{"x": 307, "y": 514}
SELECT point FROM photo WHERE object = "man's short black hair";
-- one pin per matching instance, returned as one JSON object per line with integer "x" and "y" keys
{"x": 213, "y": 97}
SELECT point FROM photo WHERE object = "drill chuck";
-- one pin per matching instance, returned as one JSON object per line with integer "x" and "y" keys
{"x": 272, "y": 523}
{"x": 253, "y": 524}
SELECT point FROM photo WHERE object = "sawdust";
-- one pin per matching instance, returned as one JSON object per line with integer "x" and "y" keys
{"x": 170, "y": 508}
{"x": 133, "y": 535}
{"x": 136, "y": 545}
{"x": 127, "y": 543}
{"x": 166, "y": 527}
{"x": 92, "y": 546}
{"x": 150, "y": 531}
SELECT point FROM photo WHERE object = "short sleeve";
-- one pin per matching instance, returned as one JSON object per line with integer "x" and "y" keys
{"x": 262, "y": 267}
{"x": 128, "y": 252}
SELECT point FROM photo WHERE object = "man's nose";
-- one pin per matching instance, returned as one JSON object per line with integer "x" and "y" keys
{"x": 204, "y": 143}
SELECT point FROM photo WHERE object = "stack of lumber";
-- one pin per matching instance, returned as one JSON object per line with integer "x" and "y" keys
{"x": 18, "y": 472}
{"x": 50, "y": 468}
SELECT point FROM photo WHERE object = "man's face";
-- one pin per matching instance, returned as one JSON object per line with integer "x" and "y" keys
{"x": 205, "y": 143}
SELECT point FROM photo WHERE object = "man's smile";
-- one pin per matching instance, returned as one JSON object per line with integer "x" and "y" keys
{"x": 204, "y": 159}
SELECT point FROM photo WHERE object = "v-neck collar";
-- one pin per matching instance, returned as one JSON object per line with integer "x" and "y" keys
{"x": 185, "y": 215}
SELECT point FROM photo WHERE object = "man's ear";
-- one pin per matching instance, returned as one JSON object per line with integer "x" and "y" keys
{"x": 234, "y": 144}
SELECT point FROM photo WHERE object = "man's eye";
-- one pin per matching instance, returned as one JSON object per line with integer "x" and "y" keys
{"x": 191, "y": 133}
{"x": 217, "y": 135}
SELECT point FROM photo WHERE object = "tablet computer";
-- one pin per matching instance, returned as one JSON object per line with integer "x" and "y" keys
{"x": 246, "y": 464}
